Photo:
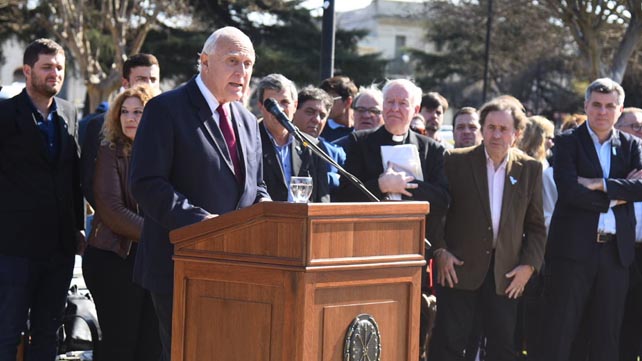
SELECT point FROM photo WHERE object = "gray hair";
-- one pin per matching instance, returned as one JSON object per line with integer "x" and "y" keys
{"x": 372, "y": 90}
{"x": 605, "y": 86}
{"x": 415, "y": 91}
{"x": 276, "y": 82}
{"x": 210, "y": 43}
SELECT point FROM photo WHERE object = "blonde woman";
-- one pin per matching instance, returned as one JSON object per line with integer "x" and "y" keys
{"x": 537, "y": 140}
{"x": 125, "y": 310}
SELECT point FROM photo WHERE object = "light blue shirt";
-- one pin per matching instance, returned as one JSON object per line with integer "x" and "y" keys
{"x": 606, "y": 223}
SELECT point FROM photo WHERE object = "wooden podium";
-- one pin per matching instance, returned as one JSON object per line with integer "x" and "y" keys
{"x": 283, "y": 282}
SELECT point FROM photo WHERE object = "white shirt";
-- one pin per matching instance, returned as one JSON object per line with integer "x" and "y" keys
{"x": 496, "y": 179}
{"x": 549, "y": 196}
{"x": 638, "y": 218}
{"x": 211, "y": 100}
{"x": 606, "y": 223}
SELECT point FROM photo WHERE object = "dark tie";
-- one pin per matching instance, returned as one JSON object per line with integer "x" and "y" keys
{"x": 230, "y": 139}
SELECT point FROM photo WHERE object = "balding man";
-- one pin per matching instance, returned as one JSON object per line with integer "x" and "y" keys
{"x": 197, "y": 155}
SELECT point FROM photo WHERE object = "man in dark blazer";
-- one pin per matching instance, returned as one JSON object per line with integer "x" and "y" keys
{"x": 284, "y": 156}
{"x": 41, "y": 211}
{"x": 592, "y": 233}
{"x": 493, "y": 241}
{"x": 197, "y": 154}
{"x": 137, "y": 69}
{"x": 401, "y": 100}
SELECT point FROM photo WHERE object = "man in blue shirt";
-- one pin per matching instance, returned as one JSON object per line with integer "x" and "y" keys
{"x": 41, "y": 213}
{"x": 284, "y": 156}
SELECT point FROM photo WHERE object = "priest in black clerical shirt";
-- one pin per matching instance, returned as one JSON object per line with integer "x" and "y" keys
{"x": 364, "y": 160}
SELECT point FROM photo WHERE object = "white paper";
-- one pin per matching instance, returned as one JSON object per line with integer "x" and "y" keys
{"x": 406, "y": 158}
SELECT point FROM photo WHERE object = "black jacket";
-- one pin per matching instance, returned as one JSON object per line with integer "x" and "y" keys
{"x": 304, "y": 164}
{"x": 41, "y": 206}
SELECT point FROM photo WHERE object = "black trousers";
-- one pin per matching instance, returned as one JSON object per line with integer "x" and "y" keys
{"x": 457, "y": 311}
{"x": 595, "y": 289}
{"x": 631, "y": 337}
{"x": 125, "y": 311}
{"x": 163, "y": 304}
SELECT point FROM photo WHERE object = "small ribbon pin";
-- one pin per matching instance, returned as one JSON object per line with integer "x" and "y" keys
{"x": 512, "y": 180}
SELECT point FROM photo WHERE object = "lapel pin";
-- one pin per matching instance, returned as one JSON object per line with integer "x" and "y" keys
{"x": 614, "y": 151}
{"x": 513, "y": 181}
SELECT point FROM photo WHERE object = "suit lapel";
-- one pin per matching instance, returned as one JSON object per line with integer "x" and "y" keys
{"x": 63, "y": 133}
{"x": 589, "y": 149}
{"x": 480, "y": 177}
{"x": 242, "y": 142}
{"x": 27, "y": 123}
{"x": 511, "y": 182}
{"x": 618, "y": 161}
{"x": 298, "y": 155}
{"x": 206, "y": 118}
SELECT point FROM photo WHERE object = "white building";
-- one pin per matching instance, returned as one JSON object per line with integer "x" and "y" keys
{"x": 393, "y": 25}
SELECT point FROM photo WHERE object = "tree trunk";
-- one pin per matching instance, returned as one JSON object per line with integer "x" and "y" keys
{"x": 100, "y": 92}
{"x": 627, "y": 46}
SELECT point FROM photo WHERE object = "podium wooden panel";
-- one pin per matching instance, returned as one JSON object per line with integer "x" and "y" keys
{"x": 280, "y": 281}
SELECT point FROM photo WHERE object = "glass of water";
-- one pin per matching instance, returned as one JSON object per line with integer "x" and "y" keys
{"x": 301, "y": 188}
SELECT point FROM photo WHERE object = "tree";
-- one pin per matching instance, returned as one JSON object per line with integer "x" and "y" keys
{"x": 523, "y": 61}
{"x": 99, "y": 35}
{"x": 595, "y": 25}
{"x": 287, "y": 39}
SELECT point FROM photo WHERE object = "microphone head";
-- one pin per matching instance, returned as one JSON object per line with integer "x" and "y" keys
{"x": 270, "y": 104}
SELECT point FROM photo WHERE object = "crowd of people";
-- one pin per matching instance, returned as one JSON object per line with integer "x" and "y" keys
{"x": 515, "y": 211}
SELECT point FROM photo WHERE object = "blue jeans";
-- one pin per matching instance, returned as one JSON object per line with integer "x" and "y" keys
{"x": 34, "y": 289}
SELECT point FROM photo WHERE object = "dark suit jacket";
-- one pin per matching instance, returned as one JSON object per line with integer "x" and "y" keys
{"x": 41, "y": 206}
{"x": 468, "y": 229}
{"x": 363, "y": 159}
{"x": 304, "y": 163}
{"x": 89, "y": 145}
{"x": 181, "y": 172}
{"x": 575, "y": 219}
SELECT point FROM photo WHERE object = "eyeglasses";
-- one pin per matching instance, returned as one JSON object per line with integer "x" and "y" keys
{"x": 334, "y": 99}
{"x": 363, "y": 110}
{"x": 635, "y": 126}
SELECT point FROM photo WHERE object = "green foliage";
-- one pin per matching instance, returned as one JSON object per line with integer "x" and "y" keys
{"x": 531, "y": 57}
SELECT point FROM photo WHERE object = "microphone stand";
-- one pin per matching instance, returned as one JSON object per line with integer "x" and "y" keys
{"x": 309, "y": 142}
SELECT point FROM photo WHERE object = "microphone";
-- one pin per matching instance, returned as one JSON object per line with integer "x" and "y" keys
{"x": 273, "y": 107}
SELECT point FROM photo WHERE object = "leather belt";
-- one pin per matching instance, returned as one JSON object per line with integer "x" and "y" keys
{"x": 605, "y": 237}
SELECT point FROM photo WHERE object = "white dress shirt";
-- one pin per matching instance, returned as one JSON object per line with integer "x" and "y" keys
{"x": 496, "y": 180}
{"x": 211, "y": 100}
{"x": 638, "y": 218}
{"x": 606, "y": 223}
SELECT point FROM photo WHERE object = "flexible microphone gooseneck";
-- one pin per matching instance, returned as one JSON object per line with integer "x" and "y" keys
{"x": 272, "y": 106}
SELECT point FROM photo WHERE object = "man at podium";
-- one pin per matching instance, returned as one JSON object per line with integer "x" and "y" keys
{"x": 197, "y": 155}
